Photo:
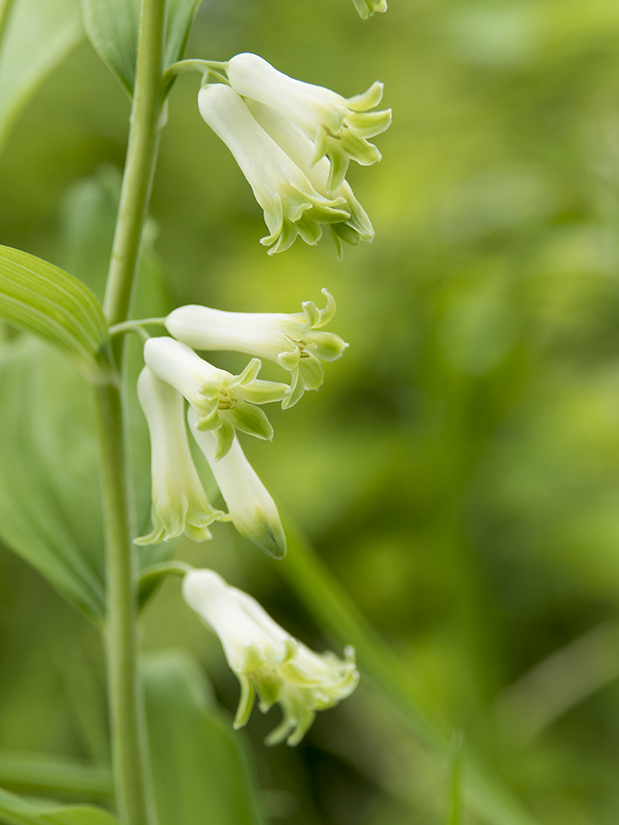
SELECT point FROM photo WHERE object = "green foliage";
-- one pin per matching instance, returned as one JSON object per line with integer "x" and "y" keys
{"x": 39, "y": 35}
{"x": 17, "y": 811}
{"x": 49, "y": 501}
{"x": 42, "y": 299}
{"x": 200, "y": 768}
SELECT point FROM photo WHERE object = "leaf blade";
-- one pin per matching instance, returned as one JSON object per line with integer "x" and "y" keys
{"x": 40, "y": 34}
{"x": 197, "y": 761}
{"x": 41, "y": 298}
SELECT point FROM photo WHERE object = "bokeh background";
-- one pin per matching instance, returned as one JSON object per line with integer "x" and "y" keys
{"x": 458, "y": 472}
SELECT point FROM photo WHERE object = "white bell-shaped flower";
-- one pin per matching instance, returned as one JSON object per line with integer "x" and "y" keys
{"x": 319, "y": 172}
{"x": 290, "y": 203}
{"x": 179, "y": 503}
{"x": 296, "y": 341}
{"x": 251, "y": 507}
{"x": 338, "y": 126}
{"x": 267, "y": 660}
{"x": 224, "y": 401}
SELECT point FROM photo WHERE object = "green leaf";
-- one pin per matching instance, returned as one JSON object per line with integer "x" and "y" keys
{"x": 200, "y": 769}
{"x": 17, "y": 811}
{"x": 112, "y": 26}
{"x": 39, "y": 35}
{"x": 42, "y": 299}
{"x": 49, "y": 483}
{"x": 50, "y": 503}
{"x": 51, "y": 775}
{"x": 179, "y": 17}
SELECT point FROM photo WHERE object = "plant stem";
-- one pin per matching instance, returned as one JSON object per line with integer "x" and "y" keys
{"x": 141, "y": 155}
{"x": 130, "y": 764}
{"x": 128, "y": 737}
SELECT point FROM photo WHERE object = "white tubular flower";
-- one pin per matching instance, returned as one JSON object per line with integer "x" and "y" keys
{"x": 252, "y": 510}
{"x": 290, "y": 203}
{"x": 179, "y": 502}
{"x": 267, "y": 660}
{"x": 224, "y": 401}
{"x": 338, "y": 126}
{"x": 300, "y": 149}
{"x": 367, "y": 8}
{"x": 295, "y": 341}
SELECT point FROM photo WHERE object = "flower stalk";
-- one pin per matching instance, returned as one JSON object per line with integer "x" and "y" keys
{"x": 130, "y": 765}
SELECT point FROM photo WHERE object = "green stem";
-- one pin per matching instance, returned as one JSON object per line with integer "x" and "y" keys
{"x": 130, "y": 764}
{"x": 128, "y": 737}
{"x": 141, "y": 155}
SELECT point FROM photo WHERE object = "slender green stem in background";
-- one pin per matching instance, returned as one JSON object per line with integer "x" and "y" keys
{"x": 203, "y": 67}
{"x": 166, "y": 568}
{"x": 331, "y": 605}
{"x": 135, "y": 326}
{"x": 130, "y": 764}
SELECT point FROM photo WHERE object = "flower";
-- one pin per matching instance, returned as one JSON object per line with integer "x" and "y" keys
{"x": 295, "y": 341}
{"x": 267, "y": 660}
{"x": 338, "y": 126}
{"x": 252, "y": 510}
{"x": 179, "y": 501}
{"x": 367, "y": 8}
{"x": 224, "y": 401}
{"x": 290, "y": 203}
{"x": 300, "y": 149}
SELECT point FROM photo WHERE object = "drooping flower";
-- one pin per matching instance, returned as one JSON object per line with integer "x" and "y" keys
{"x": 252, "y": 509}
{"x": 367, "y": 8}
{"x": 179, "y": 503}
{"x": 290, "y": 203}
{"x": 225, "y": 402}
{"x": 296, "y": 341}
{"x": 338, "y": 126}
{"x": 319, "y": 172}
{"x": 267, "y": 660}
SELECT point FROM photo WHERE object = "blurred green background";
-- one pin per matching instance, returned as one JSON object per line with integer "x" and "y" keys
{"x": 459, "y": 469}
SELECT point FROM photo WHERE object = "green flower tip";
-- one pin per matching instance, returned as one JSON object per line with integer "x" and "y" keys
{"x": 366, "y": 8}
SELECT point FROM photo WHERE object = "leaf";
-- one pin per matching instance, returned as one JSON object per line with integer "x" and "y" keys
{"x": 50, "y": 502}
{"x": 49, "y": 483}
{"x": 39, "y": 35}
{"x": 45, "y": 774}
{"x": 199, "y": 767}
{"x": 17, "y": 811}
{"x": 42, "y": 299}
{"x": 112, "y": 26}
{"x": 179, "y": 17}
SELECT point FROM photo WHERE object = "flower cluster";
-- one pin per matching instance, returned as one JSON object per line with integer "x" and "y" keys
{"x": 268, "y": 661}
{"x": 293, "y": 142}
{"x": 220, "y": 405}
